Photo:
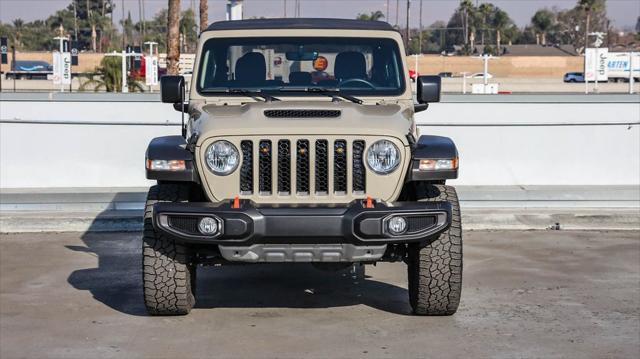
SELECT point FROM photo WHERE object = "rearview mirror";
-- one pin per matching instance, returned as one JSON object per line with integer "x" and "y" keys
{"x": 428, "y": 89}
{"x": 172, "y": 89}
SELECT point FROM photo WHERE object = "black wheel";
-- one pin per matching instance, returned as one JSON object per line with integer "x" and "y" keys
{"x": 169, "y": 276}
{"x": 435, "y": 270}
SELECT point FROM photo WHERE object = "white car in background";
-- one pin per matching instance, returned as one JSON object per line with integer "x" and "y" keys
{"x": 480, "y": 75}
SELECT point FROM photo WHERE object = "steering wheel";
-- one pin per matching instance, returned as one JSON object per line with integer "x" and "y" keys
{"x": 372, "y": 86}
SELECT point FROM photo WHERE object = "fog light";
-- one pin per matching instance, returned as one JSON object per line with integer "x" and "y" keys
{"x": 397, "y": 225}
{"x": 208, "y": 226}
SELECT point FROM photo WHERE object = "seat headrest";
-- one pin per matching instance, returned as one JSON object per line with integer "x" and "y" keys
{"x": 350, "y": 65}
{"x": 251, "y": 68}
{"x": 300, "y": 78}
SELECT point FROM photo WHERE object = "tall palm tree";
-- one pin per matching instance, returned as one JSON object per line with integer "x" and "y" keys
{"x": 587, "y": 6}
{"x": 466, "y": 9}
{"x": 485, "y": 12}
{"x": 96, "y": 21}
{"x": 500, "y": 22}
{"x": 173, "y": 37}
{"x": 204, "y": 15}
{"x": 18, "y": 25}
{"x": 542, "y": 22}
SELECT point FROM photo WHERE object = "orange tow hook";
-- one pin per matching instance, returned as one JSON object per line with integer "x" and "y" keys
{"x": 236, "y": 203}
{"x": 369, "y": 203}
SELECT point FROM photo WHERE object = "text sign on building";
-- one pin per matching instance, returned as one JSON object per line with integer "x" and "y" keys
{"x": 61, "y": 68}
{"x": 595, "y": 64}
{"x": 151, "y": 70}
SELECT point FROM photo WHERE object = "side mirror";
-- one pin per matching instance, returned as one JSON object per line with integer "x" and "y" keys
{"x": 172, "y": 89}
{"x": 428, "y": 89}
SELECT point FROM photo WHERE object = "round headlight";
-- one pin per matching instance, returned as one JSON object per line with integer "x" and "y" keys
{"x": 383, "y": 157}
{"x": 222, "y": 157}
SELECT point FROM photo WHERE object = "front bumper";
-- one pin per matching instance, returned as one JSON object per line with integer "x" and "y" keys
{"x": 253, "y": 224}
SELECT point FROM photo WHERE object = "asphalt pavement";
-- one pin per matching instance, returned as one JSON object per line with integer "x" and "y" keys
{"x": 573, "y": 294}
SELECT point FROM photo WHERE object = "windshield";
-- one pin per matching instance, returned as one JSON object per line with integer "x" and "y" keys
{"x": 292, "y": 66}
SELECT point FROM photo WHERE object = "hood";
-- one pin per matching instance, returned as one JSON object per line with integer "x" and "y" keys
{"x": 302, "y": 118}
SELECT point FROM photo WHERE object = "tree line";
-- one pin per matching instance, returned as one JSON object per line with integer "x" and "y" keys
{"x": 93, "y": 24}
{"x": 487, "y": 28}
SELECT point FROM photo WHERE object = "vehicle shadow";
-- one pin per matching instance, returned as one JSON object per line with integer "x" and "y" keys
{"x": 116, "y": 281}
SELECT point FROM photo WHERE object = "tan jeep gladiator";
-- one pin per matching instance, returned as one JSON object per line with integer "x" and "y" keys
{"x": 301, "y": 146}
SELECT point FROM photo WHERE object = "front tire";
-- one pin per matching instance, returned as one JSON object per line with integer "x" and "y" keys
{"x": 169, "y": 275}
{"x": 435, "y": 270}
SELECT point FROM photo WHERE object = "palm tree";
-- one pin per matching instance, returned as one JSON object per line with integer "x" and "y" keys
{"x": 373, "y": 16}
{"x": 204, "y": 15}
{"x": 96, "y": 21}
{"x": 18, "y": 25}
{"x": 542, "y": 22}
{"x": 501, "y": 21}
{"x": 109, "y": 77}
{"x": 587, "y": 6}
{"x": 173, "y": 37}
{"x": 485, "y": 11}
{"x": 466, "y": 8}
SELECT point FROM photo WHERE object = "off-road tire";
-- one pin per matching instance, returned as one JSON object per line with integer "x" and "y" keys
{"x": 435, "y": 270}
{"x": 169, "y": 276}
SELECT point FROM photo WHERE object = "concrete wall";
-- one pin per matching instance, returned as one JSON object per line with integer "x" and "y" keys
{"x": 99, "y": 140}
{"x": 507, "y": 66}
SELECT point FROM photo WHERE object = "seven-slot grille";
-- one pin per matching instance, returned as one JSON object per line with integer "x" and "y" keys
{"x": 338, "y": 167}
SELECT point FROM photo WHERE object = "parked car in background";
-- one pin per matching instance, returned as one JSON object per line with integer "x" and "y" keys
{"x": 574, "y": 77}
{"x": 446, "y": 74}
{"x": 480, "y": 75}
{"x": 30, "y": 70}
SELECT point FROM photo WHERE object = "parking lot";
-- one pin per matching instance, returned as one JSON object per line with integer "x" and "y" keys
{"x": 525, "y": 294}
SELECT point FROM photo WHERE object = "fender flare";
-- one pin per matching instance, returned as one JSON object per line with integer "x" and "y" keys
{"x": 432, "y": 147}
{"x": 171, "y": 148}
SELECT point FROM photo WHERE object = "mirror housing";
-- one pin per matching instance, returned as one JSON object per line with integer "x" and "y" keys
{"x": 428, "y": 89}
{"x": 172, "y": 89}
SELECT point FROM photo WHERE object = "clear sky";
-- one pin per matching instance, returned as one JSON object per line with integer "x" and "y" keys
{"x": 623, "y": 13}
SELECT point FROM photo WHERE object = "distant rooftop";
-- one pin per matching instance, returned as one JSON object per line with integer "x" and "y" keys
{"x": 300, "y": 23}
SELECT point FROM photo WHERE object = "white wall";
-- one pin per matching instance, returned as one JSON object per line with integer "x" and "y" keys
{"x": 516, "y": 143}
{"x": 541, "y": 144}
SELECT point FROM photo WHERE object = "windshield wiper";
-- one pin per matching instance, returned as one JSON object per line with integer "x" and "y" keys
{"x": 249, "y": 93}
{"x": 331, "y": 92}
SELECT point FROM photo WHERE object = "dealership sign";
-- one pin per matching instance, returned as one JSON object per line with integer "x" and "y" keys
{"x": 595, "y": 64}
{"x": 61, "y": 68}
{"x": 151, "y": 70}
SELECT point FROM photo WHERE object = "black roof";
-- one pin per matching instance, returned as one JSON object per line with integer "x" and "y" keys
{"x": 300, "y": 23}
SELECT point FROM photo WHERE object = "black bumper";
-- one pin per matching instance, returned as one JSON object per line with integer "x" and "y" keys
{"x": 277, "y": 224}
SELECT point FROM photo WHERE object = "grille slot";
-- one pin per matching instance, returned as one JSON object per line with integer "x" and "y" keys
{"x": 340, "y": 167}
{"x": 246, "y": 170}
{"x": 284, "y": 167}
{"x": 359, "y": 172}
{"x": 298, "y": 113}
{"x": 322, "y": 167}
{"x": 420, "y": 223}
{"x": 264, "y": 163}
{"x": 184, "y": 224}
{"x": 302, "y": 167}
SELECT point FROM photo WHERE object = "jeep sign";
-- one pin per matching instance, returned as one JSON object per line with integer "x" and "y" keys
{"x": 62, "y": 68}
